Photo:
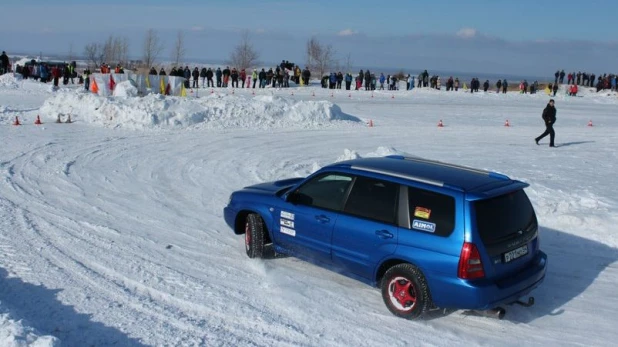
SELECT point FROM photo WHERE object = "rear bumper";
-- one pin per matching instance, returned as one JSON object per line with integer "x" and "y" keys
{"x": 485, "y": 294}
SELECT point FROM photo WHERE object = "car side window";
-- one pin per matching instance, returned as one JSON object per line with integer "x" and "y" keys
{"x": 373, "y": 199}
{"x": 326, "y": 191}
{"x": 431, "y": 212}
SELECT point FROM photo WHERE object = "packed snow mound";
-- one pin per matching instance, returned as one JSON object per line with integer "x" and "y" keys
{"x": 126, "y": 89}
{"x": 213, "y": 111}
{"x": 24, "y": 60}
{"x": 379, "y": 152}
{"x": 15, "y": 334}
{"x": 10, "y": 80}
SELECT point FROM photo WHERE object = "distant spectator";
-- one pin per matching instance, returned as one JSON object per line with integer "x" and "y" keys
{"x": 243, "y": 77}
{"x": 209, "y": 76}
{"x": 4, "y": 63}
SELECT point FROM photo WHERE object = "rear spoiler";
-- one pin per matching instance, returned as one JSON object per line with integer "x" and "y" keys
{"x": 494, "y": 190}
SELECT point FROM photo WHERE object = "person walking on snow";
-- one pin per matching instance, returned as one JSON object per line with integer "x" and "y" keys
{"x": 549, "y": 116}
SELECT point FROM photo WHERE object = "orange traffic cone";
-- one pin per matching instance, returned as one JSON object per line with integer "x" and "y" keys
{"x": 590, "y": 123}
{"x": 69, "y": 120}
{"x": 38, "y": 120}
{"x": 16, "y": 122}
{"x": 370, "y": 123}
{"x": 440, "y": 124}
{"x": 506, "y": 124}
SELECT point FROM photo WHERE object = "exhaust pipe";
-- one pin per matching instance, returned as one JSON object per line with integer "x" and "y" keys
{"x": 497, "y": 312}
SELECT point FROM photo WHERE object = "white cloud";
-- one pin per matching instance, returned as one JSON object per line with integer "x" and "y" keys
{"x": 347, "y": 32}
{"x": 467, "y": 33}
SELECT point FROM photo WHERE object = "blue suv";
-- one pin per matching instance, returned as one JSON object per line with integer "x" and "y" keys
{"x": 429, "y": 234}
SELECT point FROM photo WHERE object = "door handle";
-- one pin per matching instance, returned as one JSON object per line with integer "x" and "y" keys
{"x": 384, "y": 234}
{"x": 322, "y": 218}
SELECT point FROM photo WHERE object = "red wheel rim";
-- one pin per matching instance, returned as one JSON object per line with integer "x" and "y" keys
{"x": 402, "y": 294}
{"x": 247, "y": 236}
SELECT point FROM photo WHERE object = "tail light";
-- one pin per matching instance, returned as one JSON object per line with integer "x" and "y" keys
{"x": 470, "y": 264}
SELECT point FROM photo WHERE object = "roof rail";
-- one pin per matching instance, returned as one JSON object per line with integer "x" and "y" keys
{"x": 454, "y": 166}
{"x": 396, "y": 174}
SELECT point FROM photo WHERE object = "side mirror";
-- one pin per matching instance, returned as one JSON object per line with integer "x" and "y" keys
{"x": 293, "y": 197}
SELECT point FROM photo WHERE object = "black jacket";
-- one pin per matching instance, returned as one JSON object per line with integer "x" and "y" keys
{"x": 549, "y": 115}
{"x": 4, "y": 59}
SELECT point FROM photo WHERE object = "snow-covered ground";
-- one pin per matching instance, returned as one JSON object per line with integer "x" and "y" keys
{"x": 111, "y": 229}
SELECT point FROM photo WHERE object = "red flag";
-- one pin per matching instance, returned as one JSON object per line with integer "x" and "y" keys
{"x": 112, "y": 83}
{"x": 168, "y": 89}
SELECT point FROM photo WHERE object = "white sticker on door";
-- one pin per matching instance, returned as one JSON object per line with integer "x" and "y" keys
{"x": 287, "y": 223}
{"x": 287, "y": 215}
{"x": 288, "y": 231}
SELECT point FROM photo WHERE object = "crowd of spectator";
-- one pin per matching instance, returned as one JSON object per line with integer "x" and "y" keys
{"x": 281, "y": 75}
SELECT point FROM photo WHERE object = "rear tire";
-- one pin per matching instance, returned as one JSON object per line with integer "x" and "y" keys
{"x": 254, "y": 236}
{"x": 405, "y": 291}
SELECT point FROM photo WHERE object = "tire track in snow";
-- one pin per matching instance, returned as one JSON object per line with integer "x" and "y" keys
{"x": 96, "y": 276}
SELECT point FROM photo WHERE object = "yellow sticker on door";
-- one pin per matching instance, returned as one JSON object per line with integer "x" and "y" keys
{"x": 422, "y": 212}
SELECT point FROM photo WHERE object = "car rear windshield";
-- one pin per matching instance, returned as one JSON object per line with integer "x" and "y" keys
{"x": 498, "y": 218}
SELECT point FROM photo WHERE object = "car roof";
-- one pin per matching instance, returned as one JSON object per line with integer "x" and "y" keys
{"x": 430, "y": 172}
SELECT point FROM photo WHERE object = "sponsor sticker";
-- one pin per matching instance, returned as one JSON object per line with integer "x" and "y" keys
{"x": 287, "y": 215}
{"x": 288, "y": 231}
{"x": 424, "y": 226}
{"x": 287, "y": 223}
{"x": 422, "y": 212}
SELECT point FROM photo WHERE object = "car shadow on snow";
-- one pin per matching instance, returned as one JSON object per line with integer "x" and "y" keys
{"x": 41, "y": 310}
{"x": 574, "y": 263}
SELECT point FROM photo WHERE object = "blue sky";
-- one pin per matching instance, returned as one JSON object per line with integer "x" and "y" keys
{"x": 520, "y": 36}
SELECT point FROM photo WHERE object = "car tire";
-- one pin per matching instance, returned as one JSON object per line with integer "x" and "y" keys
{"x": 254, "y": 236}
{"x": 405, "y": 291}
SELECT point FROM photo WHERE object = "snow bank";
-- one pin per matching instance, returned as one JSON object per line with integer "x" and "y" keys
{"x": 379, "y": 152}
{"x": 15, "y": 334}
{"x": 10, "y": 80}
{"x": 213, "y": 111}
{"x": 24, "y": 60}
{"x": 126, "y": 89}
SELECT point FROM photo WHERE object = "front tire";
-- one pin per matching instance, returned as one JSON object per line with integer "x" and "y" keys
{"x": 405, "y": 291}
{"x": 254, "y": 236}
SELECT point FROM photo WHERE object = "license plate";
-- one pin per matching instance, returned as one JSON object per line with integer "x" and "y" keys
{"x": 516, "y": 253}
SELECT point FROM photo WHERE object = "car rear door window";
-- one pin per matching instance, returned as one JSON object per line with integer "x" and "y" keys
{"x": 326, "y": 191}
{"x": 373, "y": 199}
{"x": 431, "y": 212}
